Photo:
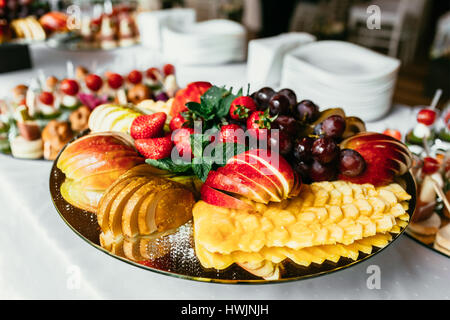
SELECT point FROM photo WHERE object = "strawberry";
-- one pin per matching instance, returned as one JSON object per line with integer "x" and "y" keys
{"x": 229, "y": 133}
{"x": 177, "y": 122}
{"x": 191, "y": 93}
{"x": 241, "y": 107}
{"x": 148, "y": 126}
{"x": 182, "y": 140}
{"x": 155, "y": 148}
{"x": 258, "y": 124}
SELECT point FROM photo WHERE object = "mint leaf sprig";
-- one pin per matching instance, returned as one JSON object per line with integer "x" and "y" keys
{"x": 212, "y": 110}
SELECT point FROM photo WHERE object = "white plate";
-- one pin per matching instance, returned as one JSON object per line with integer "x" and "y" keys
{"x": 342, "y": 62}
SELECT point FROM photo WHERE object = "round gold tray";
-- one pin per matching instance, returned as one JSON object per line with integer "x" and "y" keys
{"x": 181, "y": 262}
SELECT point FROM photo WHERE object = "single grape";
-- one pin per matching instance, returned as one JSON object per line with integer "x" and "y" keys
{"x": 351, "y": 163}
{"x": 279, "y": 105}
{"x": 302, "y": 149}
{"x": 306, "y": 111}
{"x": 263, "y": 97}
{"x": 303, "y": 169}
{"x": 325, "y": 150}
{"x": 282, "y": 142}
{"x": 288, "y": 93}
{"x": 333, "y": 127}
{"x": 322, "y": 172}
{"x": 286, "y": 124}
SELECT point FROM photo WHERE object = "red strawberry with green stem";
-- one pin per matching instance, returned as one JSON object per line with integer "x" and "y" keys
{"x": 241, "y": 107}
{"x": 259, "y": 123}
{"x": 155, "y": 148}
{"x": 148, "y": 126}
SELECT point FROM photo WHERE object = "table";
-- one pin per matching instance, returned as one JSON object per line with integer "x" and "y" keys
{"x": 41, "y": 258}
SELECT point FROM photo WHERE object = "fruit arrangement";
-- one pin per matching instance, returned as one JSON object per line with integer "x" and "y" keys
{"x": 42, "y": 117}
{"x": 21, "y": 19}
{"x": 265, "y": 179}
{"x": 429, "y": 142}
{"x": 110, "y": 27}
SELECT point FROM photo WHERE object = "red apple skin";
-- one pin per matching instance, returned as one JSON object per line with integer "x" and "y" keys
{"x": 104, "y": 166}
{"x": 240, "y": 178}
{"x": 97, "y": 160}
{"x": 255, "y": 175}
{"x": 385, "y": 158}
{"x": 88, "y": 141}
{"x": 220, "y": 199}
{"x": 89, "y": 158}
{"x": 269, "y": 165}
{"x": 223, "y": 182}
{"x": 80, "y": 155}
{"x": 280, "y": 165}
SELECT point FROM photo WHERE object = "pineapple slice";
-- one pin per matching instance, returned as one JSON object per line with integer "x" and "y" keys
{"x": 314, "y": 218}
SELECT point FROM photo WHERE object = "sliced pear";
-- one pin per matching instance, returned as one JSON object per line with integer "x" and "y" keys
{"x": 173, "y": 208}
{"x": 155, "y": 215}
{"x": 145, "y": 227}
{"x": 106, "y": 201}
{"x": 115, "y": 214}
{"x": 131, "y": 249}
{"x": 130, "y": 212}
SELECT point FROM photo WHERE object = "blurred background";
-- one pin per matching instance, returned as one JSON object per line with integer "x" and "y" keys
{"x": 417, "y": 32}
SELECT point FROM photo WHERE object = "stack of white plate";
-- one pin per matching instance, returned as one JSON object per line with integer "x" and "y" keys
{"x": 341, "y": 74}
{"x": 151, "y": 24}
{"x": 205, "y": 43}
{"x": 266, "y": 55}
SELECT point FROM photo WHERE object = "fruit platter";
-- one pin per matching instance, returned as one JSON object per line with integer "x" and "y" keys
{"x": 40, "y": 118}
{"x": 430, "y": 145}
{"x": 230, "y": 186}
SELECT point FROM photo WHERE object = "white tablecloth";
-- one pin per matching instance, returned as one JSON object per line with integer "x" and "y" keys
{"x": 40, "y": 257}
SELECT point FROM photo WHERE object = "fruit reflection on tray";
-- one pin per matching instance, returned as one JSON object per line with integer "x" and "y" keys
{"x": 262, "y": 179}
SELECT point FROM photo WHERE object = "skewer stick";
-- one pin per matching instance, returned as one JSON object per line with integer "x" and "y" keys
{"x": 441, "y": 194}
{"x": 426, "y": 146}
{"x": 437, "y": 97}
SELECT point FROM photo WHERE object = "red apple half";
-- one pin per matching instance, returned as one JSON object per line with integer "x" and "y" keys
{"x": 385, "y": 158}
{"x": 257, "y": 175}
